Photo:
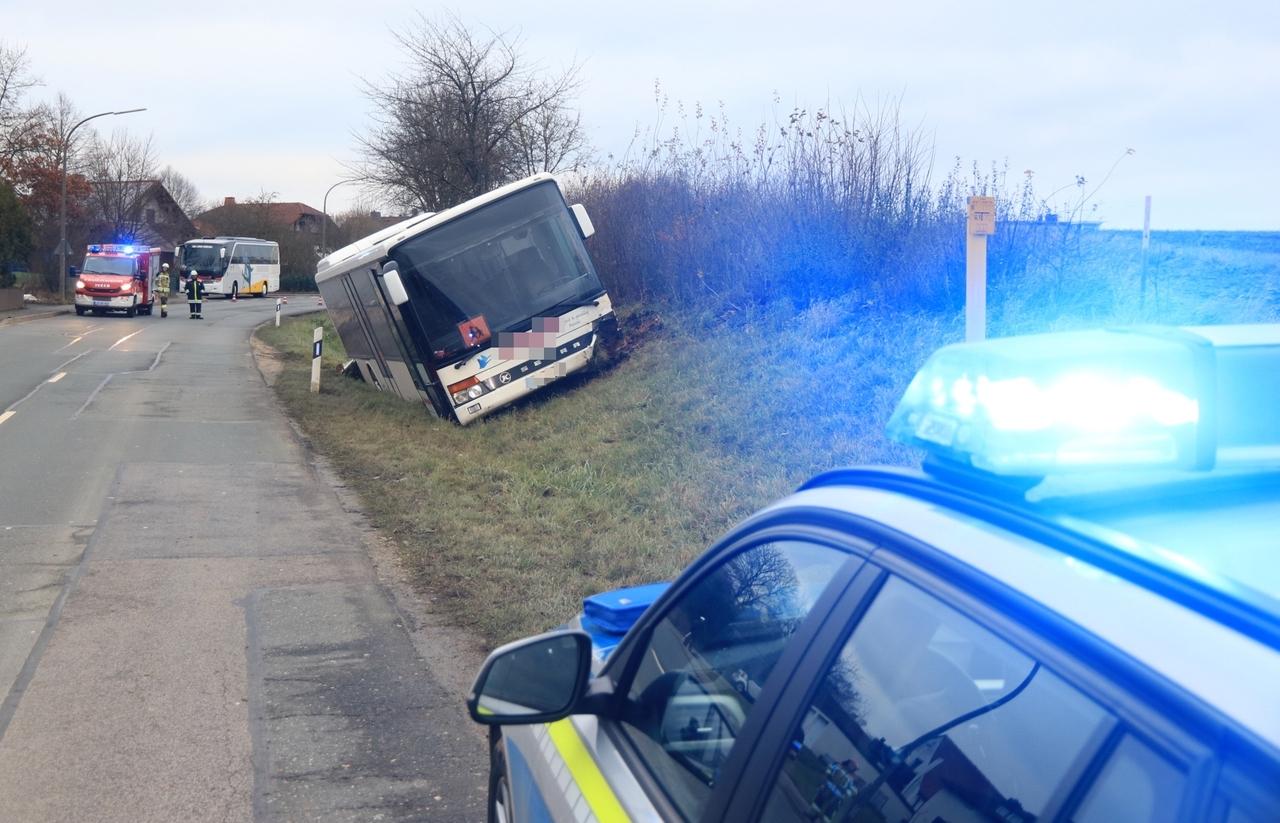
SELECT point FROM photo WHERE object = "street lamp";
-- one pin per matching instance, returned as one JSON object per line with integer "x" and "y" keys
{"x": 324, "y": 221}
{"x": 62, "y": 212}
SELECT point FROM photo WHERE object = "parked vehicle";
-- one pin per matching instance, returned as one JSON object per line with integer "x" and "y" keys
{"x": 468, "y": 309}
{"x": 232, "y": 266}
{"x": 118, "y": 277}
{"x": 1072, "y": 612}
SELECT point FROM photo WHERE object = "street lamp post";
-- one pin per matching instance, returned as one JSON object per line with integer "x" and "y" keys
{"x": 62, "y": 211}
{"x": 324, "y": 221}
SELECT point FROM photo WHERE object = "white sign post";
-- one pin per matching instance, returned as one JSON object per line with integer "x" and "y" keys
{"x": 277, "y": 312}
{"x": 317, "y": 346}
{"x": 981, "y": 224}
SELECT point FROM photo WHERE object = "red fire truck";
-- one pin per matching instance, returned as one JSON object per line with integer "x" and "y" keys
{"x": 118, "y": 277}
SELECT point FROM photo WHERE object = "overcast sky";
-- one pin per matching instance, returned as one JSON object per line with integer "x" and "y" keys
{"x": 265, "y": 96}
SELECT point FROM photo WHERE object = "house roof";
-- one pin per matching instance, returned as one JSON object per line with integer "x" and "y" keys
{"x": 283, "y": 213}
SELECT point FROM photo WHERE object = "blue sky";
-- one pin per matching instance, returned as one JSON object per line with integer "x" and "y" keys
{"x": 251, "y": 97}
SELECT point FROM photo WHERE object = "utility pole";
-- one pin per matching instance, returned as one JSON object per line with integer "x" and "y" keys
{"x": 62, "y": 210}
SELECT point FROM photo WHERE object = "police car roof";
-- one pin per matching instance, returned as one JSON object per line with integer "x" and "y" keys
{"x": 1136, "y": 572}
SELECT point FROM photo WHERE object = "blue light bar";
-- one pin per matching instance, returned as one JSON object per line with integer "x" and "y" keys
{"x": 1082, "y": 401}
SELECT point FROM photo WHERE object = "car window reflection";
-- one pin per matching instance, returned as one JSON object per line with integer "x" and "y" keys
{"x": 707, "y": 661}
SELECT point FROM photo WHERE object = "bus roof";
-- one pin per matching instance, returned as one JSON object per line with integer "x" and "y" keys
{"x": 228, "y": 239}
{"x": 376, "y": 245}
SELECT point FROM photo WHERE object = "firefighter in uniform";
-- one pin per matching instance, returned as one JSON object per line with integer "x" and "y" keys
{"x": 195, "y": 294}
{"x": 162, "y": 289}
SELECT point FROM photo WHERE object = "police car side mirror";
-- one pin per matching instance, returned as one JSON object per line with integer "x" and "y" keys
{"x": 537, "y": 680}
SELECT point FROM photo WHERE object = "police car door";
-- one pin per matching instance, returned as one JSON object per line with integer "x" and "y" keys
{"x": 698, "y": 676}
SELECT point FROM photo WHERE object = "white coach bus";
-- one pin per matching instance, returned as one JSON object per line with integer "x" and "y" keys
{"x": 232, "y": 266}
{"x": 468, "y": 309}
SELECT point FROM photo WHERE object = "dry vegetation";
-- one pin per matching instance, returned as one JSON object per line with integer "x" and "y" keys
{"x": 779, "y": 292}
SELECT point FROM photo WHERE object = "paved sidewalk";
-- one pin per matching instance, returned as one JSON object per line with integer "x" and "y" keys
{"x": 33, "y": 311}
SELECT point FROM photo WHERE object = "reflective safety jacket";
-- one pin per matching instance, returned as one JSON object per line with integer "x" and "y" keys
{"x": 195, "y": 290}
{"x": 162, "y": 282}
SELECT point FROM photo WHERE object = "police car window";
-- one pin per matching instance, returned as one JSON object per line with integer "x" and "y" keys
{"x": 927, "y": 716}
{"x": 708, "y": 658}
{"x": 1136, "y": 785}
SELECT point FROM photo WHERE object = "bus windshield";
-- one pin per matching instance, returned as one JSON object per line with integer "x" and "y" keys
{"x": 109, "y": 265}
{"x": 204, "y": 258}
{"x": 510, "y": 261}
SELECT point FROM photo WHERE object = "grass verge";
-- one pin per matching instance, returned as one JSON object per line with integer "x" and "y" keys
{"x": 612, "y": 478}
{"x": 624, "y": 476}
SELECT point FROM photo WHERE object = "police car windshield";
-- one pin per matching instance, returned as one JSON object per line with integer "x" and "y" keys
{"x": 508, "y": 262}
{"x": 108, "y": 265}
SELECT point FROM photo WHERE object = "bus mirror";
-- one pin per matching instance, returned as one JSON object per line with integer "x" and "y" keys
{"x": 584, "y": 222}
{"x": 222, "y": 251}
{"x": 395, "y": 288}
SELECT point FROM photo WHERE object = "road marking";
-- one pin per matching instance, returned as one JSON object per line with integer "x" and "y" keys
{"x": 63, "y": 365}
{"x": 57, "y": 377}
{"x": 107, "y": 379}
{"x": 101, "y": 386}
{"x": 126, "y": 337}
{"x": 69, "y": 345}
{"x": 6, "y": 416}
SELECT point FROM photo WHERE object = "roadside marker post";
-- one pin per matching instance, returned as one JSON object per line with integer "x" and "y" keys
{"x": 317, "y": 346}
{"x": 980, "y": 225}
{"x": 277, "y": 312}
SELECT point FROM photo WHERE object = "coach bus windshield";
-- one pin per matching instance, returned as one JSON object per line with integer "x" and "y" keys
{"x": 508, "y": 262}
{"x": 203, "y": 257}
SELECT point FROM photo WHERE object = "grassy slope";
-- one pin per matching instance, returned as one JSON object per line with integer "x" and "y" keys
{"x": 623, "y": 477}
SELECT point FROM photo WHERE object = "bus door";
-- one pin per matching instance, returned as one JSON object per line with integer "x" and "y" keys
{"x": 371, "y": 310}
{"x": 429, "y": 387}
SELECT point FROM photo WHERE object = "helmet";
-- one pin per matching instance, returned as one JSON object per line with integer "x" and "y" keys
{"x": 164, "y": 266}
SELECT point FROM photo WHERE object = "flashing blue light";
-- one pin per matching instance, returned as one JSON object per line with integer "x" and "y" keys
{"x": 128, "y": 249}
{"x": 1152, "y": 398}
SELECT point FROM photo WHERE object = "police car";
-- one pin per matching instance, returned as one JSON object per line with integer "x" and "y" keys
{"x": 1072, "y": 612}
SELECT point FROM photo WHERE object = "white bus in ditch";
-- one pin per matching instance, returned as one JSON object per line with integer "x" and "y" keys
{"x": 468, "y": 309}
{"x": 232, "y": 266}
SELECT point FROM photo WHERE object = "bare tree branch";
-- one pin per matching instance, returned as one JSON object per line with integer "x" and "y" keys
{"x": 468, "y": 115}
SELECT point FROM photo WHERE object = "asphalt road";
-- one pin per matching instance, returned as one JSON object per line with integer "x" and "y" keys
{"x": 190, "y": 624}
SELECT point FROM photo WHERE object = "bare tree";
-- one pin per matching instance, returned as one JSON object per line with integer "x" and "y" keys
{"x": 18, "y": 123}
{"x": 469, "y": 114}
{"x": 121, "y": 169}
{"x": 182, "y": 190}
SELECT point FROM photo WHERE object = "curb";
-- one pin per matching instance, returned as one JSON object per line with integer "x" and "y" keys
{"x": 38, "y": 315}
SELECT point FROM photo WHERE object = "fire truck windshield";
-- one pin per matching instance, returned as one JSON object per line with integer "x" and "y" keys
{"x": 110, "y": 265}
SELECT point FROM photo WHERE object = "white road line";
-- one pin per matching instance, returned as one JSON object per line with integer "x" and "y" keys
{"x": 6, "y": 416}
{"x": 126, "y": 337}
{"x": 56, "y": 377}
{"x": 101, "y": 386}
{"x": 69, "y": 345}
{"x": 107, "y": 379}
{"x": 72, "y": 360}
